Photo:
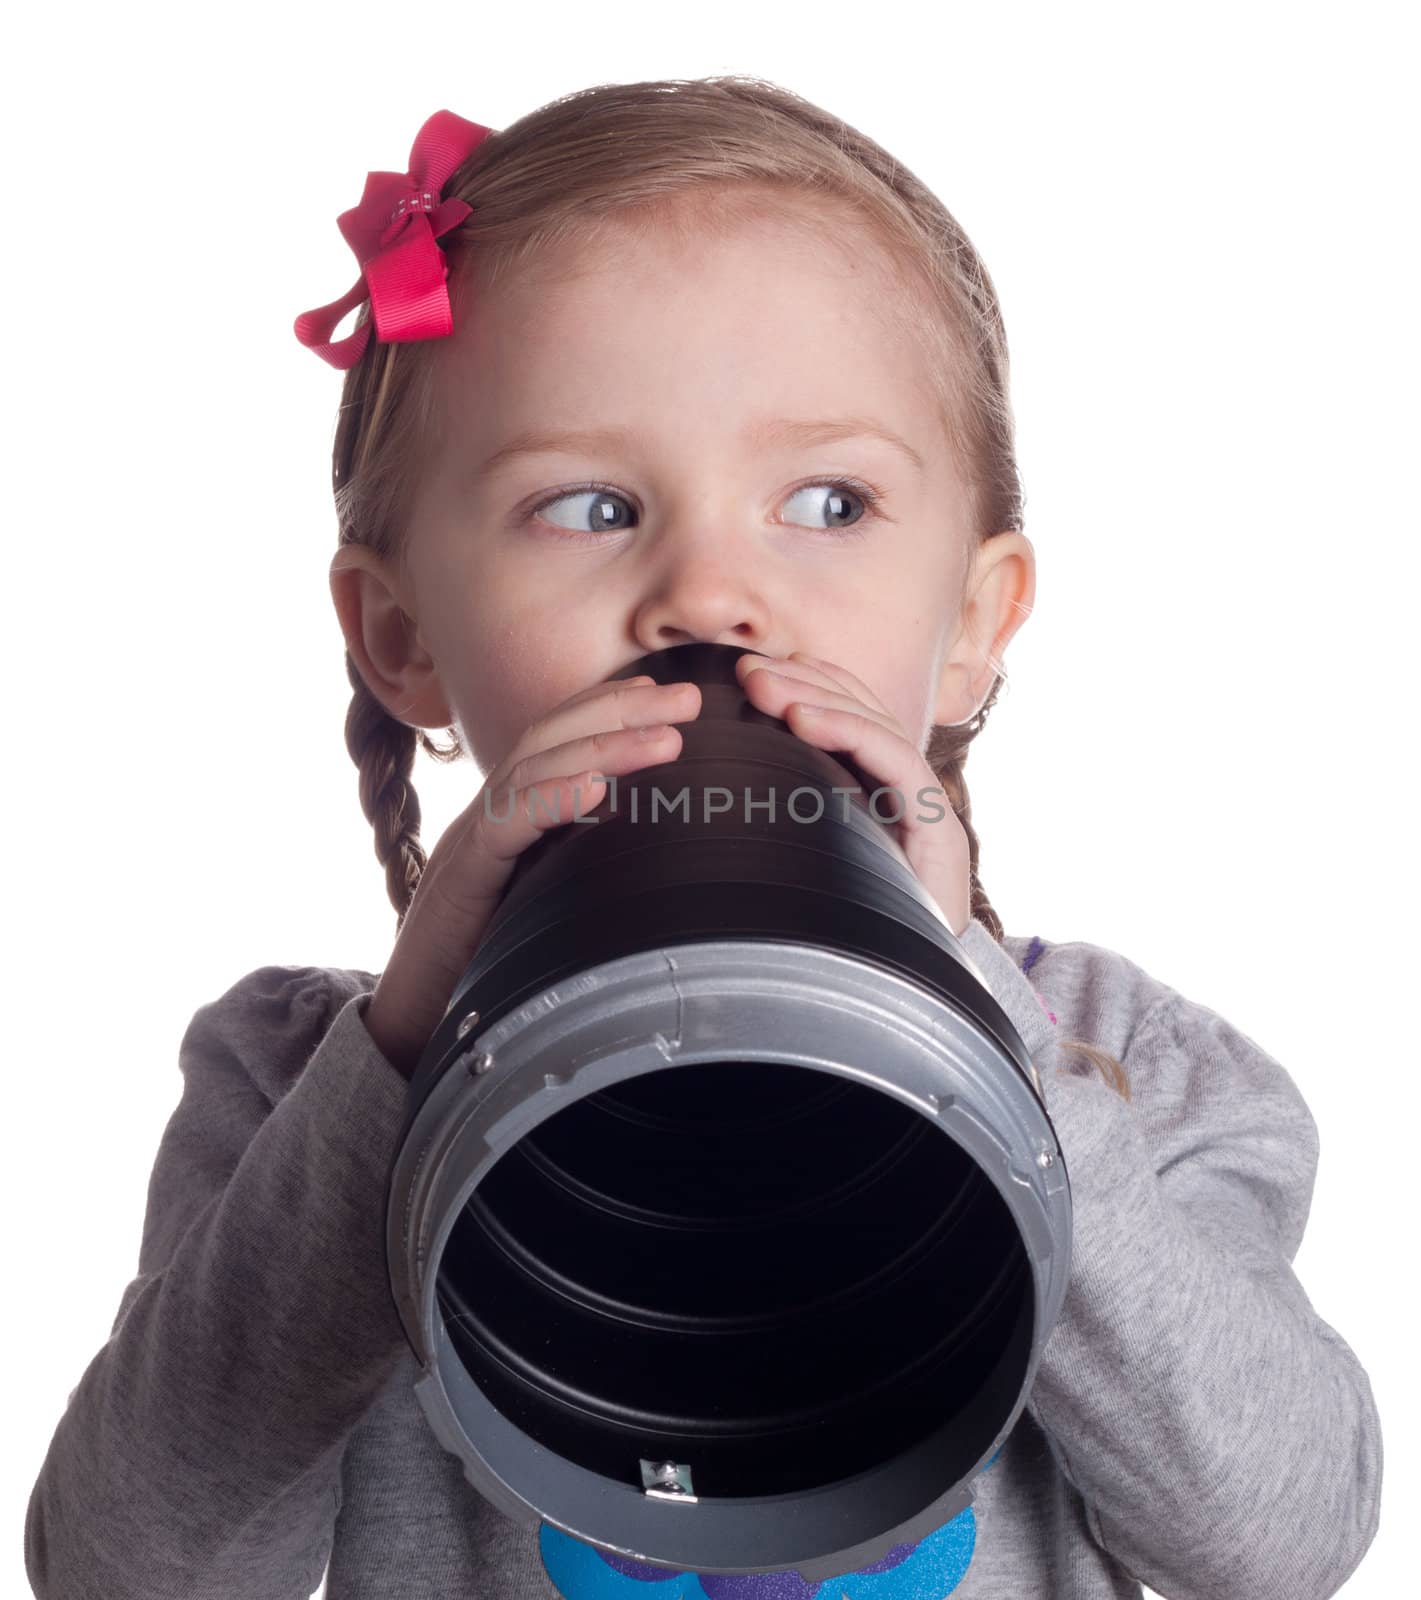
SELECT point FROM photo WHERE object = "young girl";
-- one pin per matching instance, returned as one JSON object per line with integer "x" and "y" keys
{"x": 708, "y": 364}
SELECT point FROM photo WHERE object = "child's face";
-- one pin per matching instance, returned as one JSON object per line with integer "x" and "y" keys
{"x": 699, "y": 532}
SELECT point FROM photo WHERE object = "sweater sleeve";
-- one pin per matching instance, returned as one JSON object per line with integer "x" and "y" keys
{"x": 1224, "y": 1438}
{"x": 198, "y": 1457}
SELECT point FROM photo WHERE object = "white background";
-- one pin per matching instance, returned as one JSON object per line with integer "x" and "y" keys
{"x": 1200, "y": 223}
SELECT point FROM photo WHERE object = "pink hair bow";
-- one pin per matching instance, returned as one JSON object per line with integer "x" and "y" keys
{"x": 392, "y": 232}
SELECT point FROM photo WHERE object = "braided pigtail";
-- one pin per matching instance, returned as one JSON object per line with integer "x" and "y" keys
{"x": 947, "y": 756}
{"x": 383, "y": 749}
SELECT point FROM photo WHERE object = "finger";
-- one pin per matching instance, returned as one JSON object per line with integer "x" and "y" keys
{"x": 556, "y": 786}
{"x": 599, "y": 688}
{"x": 603, "y": 708}
{"x": 608, "y": 751}
{"x": 773, "y": 689}
{"x": 919, "y": 815}
{"x": 750, "y": 663}
{"x": 881, "y": 752}
{"x": 507, "y": 822}
{"x": 844, "y": 678}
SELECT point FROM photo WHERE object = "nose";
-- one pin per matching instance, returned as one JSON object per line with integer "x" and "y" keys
{"x": 703, "y": 596}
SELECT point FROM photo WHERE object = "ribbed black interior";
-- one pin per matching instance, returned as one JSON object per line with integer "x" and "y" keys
{"x": 776, "y": 1275}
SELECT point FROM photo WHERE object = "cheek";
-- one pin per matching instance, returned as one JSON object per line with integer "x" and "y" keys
{"x": 503, "y": 691}
{"x": 501, "y": 645}
{"x": 908, "y": 695}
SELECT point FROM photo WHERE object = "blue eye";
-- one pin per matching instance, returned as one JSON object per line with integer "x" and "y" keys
{"x": 836, "y": 501}
{"x": 602, "y": 514}
{"x": 604, "y": 518}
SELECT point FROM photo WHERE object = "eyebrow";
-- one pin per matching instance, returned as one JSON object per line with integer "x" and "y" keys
{"x": 778, "y": 432}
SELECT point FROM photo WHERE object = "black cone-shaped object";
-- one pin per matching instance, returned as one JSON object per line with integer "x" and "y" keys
{"x": 727, "y": 1221}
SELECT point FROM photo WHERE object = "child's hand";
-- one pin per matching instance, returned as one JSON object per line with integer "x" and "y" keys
{"x": 598, "y": 730}
{"x": 853, "y": 719}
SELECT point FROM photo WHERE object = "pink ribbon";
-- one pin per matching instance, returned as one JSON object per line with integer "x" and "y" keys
{"x": 393, "y": 232}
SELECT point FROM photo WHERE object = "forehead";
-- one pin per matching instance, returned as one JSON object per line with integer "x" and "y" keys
{"x": 790, "y": 309}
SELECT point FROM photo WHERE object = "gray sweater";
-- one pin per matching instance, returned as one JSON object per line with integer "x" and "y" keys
{"x": 1193, "y": 1425}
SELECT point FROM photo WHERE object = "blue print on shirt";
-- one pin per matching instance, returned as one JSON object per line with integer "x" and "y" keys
{"x": 927, "y": 1570}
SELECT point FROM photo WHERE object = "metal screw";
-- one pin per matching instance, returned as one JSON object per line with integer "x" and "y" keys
{"x": 480, "y": 1064}
{"x": 667, "y": 1479}
{"x": 1045, "y": 1159}
{"x": 471, "y": 1021}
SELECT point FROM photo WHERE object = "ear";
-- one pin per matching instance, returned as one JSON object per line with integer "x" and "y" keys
{"x": 377, "y": 618}
{"x": 997, "y": 598}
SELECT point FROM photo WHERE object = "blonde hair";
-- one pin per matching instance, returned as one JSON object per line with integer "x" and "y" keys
{"x": 695, "y": 156}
